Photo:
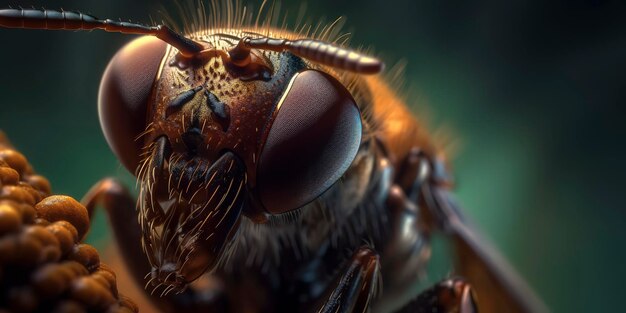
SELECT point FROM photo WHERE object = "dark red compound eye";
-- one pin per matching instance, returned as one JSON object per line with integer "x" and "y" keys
{"x": 125, "y": 91}
{"x": 314, "y": 138}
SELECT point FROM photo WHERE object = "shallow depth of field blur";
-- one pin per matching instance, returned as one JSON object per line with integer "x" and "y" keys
{"x": 534, "y": 94}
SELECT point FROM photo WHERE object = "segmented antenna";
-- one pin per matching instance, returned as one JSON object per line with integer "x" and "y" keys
{"x": 314, "y": 50}
{"x": 67, "y": 20}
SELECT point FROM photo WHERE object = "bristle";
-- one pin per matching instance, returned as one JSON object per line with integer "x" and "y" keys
{"x": 197, "y": 18}
{"x": 258, "y": 16}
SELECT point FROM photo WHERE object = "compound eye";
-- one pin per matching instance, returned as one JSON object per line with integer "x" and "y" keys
{"x": 312, "y": 141}
{"x": 125, "y": 91}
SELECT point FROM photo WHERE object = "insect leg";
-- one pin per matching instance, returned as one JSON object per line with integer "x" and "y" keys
{"x": 449, "y": 296}
{"x": 426, "y": 182}
{"x": 121, "y": 210}
{"x": 356, "y": 286}
{"x": 414, "y": 172}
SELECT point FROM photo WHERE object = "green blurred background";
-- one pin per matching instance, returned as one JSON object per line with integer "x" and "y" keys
{"x": 533, "y": 91}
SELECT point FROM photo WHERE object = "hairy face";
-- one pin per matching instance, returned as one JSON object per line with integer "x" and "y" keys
{"x": 202, "y": 148}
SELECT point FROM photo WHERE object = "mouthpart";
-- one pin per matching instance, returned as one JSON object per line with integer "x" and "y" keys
{"x": 184, "y": 237}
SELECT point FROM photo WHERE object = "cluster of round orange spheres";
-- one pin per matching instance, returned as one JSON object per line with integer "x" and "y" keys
{"x": 43, "y": 265}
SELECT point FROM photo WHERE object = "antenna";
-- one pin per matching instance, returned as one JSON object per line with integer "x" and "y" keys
{"x": 314, "y": 50}
{"x": 317, "y": 51}
{"x": 68, "y": 20}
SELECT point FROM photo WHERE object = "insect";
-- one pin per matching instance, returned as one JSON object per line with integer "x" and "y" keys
{"x": 277, "y": 173}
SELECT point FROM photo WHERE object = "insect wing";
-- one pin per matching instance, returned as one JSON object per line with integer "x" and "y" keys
{"x": 498, "y": 287}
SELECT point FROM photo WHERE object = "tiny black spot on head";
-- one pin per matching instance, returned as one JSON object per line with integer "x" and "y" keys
{"x": 181, "y": 100}
{"x": 220, "y": 110}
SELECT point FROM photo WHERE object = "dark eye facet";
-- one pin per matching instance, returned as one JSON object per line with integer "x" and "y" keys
{"x": 125, "y": 91}
{"x": 314, "y": 138}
